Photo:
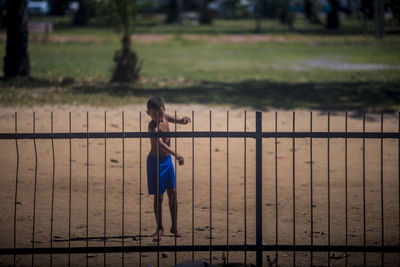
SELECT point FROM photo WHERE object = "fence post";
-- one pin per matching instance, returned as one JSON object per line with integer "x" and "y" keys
{"x": 259, "y": 188}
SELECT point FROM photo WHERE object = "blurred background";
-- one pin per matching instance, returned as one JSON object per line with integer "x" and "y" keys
{"x": 313, "y": 54}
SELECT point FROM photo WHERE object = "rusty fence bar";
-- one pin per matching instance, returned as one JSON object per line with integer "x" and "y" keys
{"x": 259, "y": 247}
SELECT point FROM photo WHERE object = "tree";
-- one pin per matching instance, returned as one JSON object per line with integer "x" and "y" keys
{"x": 81, "y": 17}
{"x": 58, "y": 7}
{"x": 174, "y": 10}
{"x": 16, "y": 61}
{"x": 394, "y": 5}
{"x": 258, "y": 12}
{"x": 271, "y": 9}
{"x": 379, "y": 17}
{"x": 332, "y": 20}
{"x": 311, "y": 12}
{"x": 205, "y": 13}
{"x": 286, "y": 8}
{"x": 127, "y": 66}
{"x": 367, "y": 9}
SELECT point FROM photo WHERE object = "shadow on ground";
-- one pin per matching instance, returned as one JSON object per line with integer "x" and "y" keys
{"x": 352, "y": 96}
{"x": 369, "y": 96}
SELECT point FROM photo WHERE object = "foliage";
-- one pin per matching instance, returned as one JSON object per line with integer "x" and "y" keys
{"x": 394, "y": 5}
{"x": 127, "y": 65}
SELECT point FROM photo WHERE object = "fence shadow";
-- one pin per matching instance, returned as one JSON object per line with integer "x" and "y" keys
{"x": 368, "y": 96}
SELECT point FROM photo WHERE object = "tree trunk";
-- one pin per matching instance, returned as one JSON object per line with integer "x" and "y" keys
{"x": 127, "y": 67}
{"x": 258, "y": 14}
{"x": 174, "y": 11}
{"x": 16, "y": 61}
{"x": 333, "y": 15}
{"x": 379, "y": 17}
{"x": 310, "y": 12}
{"x": 58, "y": 7}
{"x": 271, "y": 9}
{"x": 349, "y": 8}
{"x": 205, "y": 13}
{"x": 81, "y": 17}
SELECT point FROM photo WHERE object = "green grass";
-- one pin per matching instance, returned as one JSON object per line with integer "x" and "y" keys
{"x": 264, "y": 74}
{"x": 202, "y": 61}
{"x": 155, "y": 24}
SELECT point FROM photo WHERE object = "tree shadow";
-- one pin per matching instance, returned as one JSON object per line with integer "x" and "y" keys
{"x": 355, "y": 96}
{"x": 33, "y": 82}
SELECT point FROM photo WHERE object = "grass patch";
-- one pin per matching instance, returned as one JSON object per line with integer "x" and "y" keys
{"x": 274, "y": 73}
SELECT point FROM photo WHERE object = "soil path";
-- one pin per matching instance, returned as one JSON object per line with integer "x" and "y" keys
{"x": 136, "y": 185}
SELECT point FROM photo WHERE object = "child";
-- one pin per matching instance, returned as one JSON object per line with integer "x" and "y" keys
{"x": 159, "y": 122}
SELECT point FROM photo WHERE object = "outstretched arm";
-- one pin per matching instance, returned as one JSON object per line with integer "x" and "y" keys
{"x": 183, "y": 120}
{"x": 165, "y": 147}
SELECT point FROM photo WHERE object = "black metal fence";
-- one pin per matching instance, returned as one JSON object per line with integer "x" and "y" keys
{"x": 259, "y": 246}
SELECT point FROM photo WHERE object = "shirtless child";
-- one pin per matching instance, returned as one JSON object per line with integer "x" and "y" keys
{"x": 159, "y": 122}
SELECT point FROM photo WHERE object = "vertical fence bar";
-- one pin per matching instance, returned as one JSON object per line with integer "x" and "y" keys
{"x": 276, "y": 190}
{"x": 140, "y": 189}
{"x": 311, "y": 194}
{"x": 227, "y": 186}
{"x": 123, "y": 187}
{"x": 259, "y": 241}
{"x": 87, "y": 187}
{"x": 34, "y": 188}
{"x": 52, "y": 190}
{"x": 192, "y": 187}
{"x": 329, "y": 191}
{"x": 346, "y": 187}
{"x": 70, "y": 190}
{"x": 363, "y": 185}
{"x": 245, "y": 188}
{"x": 176, "y": 195}
{"x": 16, "y": 188}
{"x": 294, "y": 189}
{"x": 159, "y": 218}
{"x": 210, "y": 192}
{"x": 382, "y": 212}
{"x": 398, "y": 167}
{"x": 105, "y": 188}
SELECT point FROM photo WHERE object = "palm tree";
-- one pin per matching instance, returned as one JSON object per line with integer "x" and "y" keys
{"x": 127, "y": 66}
{"x": 16, "y": 61}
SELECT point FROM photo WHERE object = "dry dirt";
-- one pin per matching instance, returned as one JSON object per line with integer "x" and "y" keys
{"x": 97, "y": 173}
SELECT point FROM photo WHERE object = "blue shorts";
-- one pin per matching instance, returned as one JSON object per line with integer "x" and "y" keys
{"x": 166, "y": 174}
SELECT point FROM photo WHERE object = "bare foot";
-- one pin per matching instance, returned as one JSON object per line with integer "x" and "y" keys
{"x": 157, "y": 234}
{"x": 175, "y": 232}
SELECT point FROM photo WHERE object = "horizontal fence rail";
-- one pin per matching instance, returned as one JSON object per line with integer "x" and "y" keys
{"x": 258, "y": 246}
{"x": 214, "y": 134}
{"x": 165, "y": 248}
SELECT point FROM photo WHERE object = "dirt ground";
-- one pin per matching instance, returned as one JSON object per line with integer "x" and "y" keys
{"x": 227, "y": 160}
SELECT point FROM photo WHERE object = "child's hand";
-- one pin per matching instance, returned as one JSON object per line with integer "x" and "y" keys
{"x": 185, "y": 120}
{"x": 180, "y": 159}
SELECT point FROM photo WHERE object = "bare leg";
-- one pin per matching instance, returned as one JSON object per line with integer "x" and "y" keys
{"x": 173, "y": 208}
{"x": 158, "y": 214}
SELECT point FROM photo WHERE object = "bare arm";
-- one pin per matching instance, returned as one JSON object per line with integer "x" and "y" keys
{"x": 164, "y": 146}
{"x": 183, "y": 120}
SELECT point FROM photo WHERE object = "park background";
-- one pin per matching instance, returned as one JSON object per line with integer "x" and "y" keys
{"x": 283, "y": 56}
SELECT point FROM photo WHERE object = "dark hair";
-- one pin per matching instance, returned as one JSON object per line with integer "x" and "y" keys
{"x": 155, "y": 103}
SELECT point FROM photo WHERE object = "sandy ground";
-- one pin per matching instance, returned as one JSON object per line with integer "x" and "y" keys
{"x": 105, "y": 166}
